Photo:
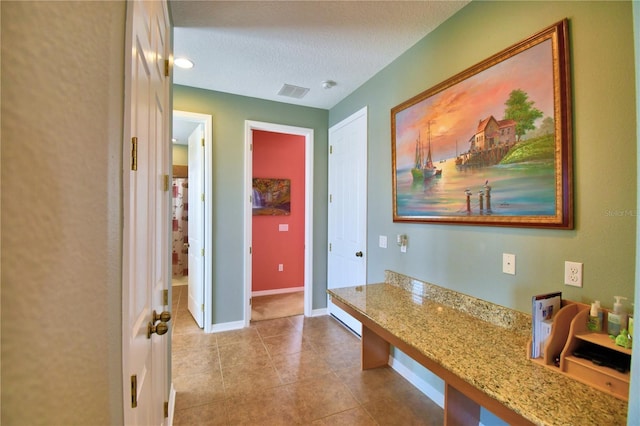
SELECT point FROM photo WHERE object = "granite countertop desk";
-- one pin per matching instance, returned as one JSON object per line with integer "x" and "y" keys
{"x": 477, "y": 348}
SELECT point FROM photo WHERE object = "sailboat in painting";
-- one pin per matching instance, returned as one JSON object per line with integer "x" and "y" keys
{"x": 423, "y": 167}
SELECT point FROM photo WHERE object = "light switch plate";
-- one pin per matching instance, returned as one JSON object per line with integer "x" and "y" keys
{"x": 382, "y": 241}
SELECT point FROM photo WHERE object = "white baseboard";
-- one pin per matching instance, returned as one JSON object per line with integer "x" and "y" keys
{"x": 227, "y": 326}
{"x": 319, "y": 312}
{"x": 277, "y": 291}
{"x": 424, "y": 387}
{"x": 172, "y": 405}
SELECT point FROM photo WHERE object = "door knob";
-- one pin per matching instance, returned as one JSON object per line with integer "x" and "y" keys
{"x": 164, "y": 316}
{"x": 162, "y": 327}
{"x": 185, "y": 245}
{"x": 359, "y": 254}
{"x": 159, "y": 329}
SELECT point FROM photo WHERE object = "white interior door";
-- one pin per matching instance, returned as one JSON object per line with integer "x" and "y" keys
{"x": 196, "y": 225}
{"x": 146, "y": 264}
{"x": 347, "y": 227}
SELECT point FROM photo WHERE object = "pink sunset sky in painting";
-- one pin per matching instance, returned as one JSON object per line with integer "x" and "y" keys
{"x": 454, "y": 113}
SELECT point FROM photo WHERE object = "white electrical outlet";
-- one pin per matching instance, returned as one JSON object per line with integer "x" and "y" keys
{"x": 509, "y": 263}
{"x": 382, "y": 241}
{"x": 573, "y": 273}
{"x": 280, "y": 267}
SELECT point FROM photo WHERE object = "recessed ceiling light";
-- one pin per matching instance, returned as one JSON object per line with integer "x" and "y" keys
{"x": 183, "y": 63}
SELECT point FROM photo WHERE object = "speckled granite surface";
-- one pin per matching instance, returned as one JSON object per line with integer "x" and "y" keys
{"x": 495, "y": 314}
{"x": 488, "y": 353}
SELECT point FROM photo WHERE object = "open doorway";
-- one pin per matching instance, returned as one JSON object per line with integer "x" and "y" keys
{"x": 278, "y": 223}
{"x": 304, "y": 137}
{"x": 192, "y": 233}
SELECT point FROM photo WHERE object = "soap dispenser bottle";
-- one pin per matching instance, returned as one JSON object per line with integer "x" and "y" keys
{"x": 617, "y": 320}
{"x": 595, "y": 317}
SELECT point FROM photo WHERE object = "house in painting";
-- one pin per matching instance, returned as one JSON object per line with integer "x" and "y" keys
{"x": 486, "y": 134}
{"x": 491, "y": 142}
{"x": 507, "y": 132}
{"x": 491, "y": 133}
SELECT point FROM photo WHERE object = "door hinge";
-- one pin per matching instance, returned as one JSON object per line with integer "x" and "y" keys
{"x": 134, "y": 391}
{"x": 134, "y": 153}
{"x": 202, "y": 197}
{"x": 330, "y": 149}
{"x": 202, "y": 141}
{"x": 250, "y": 199}
{"x": 329, "y": 246}
{"x": 166, "y": 409}
{"x": 331, "y": 198}
{"x": 250, "y": 147}
{"x": 201, "y": 252}
{"x": 250, "y": 301}
{"x": 202, "y": 307}
{"x": 165, "y": 297}
{"x": 166, "y": 183}
{"x": 250, "y": 250}
{"x": 166, "y": 71}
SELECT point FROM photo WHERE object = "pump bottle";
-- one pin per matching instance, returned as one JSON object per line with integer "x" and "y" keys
{"x": 617, "y": 320}
{"x": 595, "y": 317}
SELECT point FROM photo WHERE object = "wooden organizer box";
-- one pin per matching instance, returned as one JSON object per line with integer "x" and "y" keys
{"x": 568, "y": 332}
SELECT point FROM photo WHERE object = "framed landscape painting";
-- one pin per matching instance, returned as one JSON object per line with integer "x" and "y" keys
{"x": 271, "y": 197}
{"x": 491, "y": 145}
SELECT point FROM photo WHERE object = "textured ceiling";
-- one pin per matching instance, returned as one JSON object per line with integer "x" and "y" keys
{"x": 253, "y": 48}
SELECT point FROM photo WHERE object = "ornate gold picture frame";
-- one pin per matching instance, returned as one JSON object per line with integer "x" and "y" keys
{"x": 491, "y": 145}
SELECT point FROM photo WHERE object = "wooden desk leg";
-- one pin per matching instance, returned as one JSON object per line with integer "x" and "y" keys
{"x": 458, "y": 409}
{"x": 375, "y": 350}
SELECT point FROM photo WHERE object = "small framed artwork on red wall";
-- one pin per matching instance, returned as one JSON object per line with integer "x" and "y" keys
{"x": 271, "y": 197}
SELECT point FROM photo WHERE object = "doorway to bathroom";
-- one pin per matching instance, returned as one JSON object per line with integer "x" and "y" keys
{"x": 278, "y": 214}
{"x": 192, "y": 233}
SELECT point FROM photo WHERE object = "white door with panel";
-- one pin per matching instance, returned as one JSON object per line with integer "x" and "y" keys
{"x": 196, "y": 225}
{"x": 146, "y": 215}
{"x": 347, "y": 227}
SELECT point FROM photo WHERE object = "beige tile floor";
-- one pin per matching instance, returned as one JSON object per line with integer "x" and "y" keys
{"x": 287, "y": 371}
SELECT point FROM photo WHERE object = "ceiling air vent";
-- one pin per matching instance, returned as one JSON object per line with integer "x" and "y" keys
{"x": 293, "y": 91}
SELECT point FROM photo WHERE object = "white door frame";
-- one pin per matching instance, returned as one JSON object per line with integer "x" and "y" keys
{"x": 249, "y": 126}
{"x": 206, "y": 121}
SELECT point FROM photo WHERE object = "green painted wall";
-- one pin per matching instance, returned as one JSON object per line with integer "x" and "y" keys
{"x": 180, "y": 155}
{"x": 468, "y": 258}
{"x": 229, "y": 113}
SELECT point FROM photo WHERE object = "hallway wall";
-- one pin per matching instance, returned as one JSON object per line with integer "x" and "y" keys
{"x": 62, "y": 126}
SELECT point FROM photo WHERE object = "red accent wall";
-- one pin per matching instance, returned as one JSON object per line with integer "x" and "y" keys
{"x": 281, "y": 156}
